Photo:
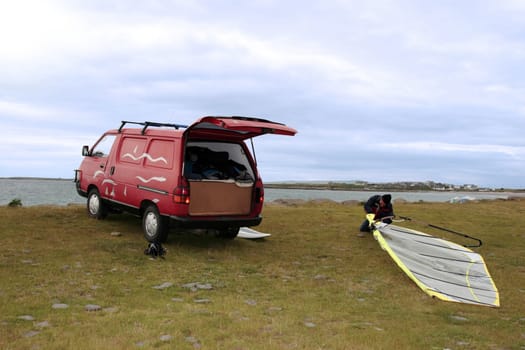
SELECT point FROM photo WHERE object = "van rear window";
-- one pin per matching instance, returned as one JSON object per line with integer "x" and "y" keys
{"x": 217, "y": 161}
{"x": 160, "y": 154}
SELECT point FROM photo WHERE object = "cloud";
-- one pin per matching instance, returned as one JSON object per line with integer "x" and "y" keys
{"x": 17, "y": 109}
{"x": 365, "y": 83}
{"x": 437, "y": 147}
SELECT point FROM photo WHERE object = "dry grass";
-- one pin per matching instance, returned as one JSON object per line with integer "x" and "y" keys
{"x": 312, "y": 285}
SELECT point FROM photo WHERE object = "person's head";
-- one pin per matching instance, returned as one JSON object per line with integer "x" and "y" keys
{"x": 385, "y": 199}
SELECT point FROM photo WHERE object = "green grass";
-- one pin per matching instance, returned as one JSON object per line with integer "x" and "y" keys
{"x": 312, "y": 285}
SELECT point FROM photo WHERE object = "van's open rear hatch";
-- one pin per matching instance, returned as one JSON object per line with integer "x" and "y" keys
{"x": 207, "y": 141}
{"x": 238, "y": 128}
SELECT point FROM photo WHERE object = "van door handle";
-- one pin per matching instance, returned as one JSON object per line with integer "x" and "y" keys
{"x": 112, "y": 170}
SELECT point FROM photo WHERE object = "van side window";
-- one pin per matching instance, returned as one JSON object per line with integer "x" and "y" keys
{"x": 103, "y": 146}
{"x": 132, "y": 150}
{"x": 160, "y": 154}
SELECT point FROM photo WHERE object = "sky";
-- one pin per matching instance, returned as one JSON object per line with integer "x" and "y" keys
{"x": 379, "y": 90}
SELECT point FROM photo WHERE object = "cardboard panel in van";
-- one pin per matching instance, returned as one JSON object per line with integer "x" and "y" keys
{"x": 216, "y": 197}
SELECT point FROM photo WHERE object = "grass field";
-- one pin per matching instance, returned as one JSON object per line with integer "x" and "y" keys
{"x": 312, "y": 285}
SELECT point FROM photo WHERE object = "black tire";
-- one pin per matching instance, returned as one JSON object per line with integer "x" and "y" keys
{"x": 229, "y": 232}
{"x": 95, "y": 205}
{"x": 154, "y": 225}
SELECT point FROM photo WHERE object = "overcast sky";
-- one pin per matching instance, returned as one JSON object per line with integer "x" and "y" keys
{"x": 378, "y": 90}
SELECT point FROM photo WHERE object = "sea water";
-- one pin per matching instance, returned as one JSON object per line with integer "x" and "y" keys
{"x": 39, "y": 191}
{"x": 63, "y": 192}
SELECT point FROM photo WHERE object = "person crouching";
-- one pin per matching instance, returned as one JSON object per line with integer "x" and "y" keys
{"x": 382, "y": 207}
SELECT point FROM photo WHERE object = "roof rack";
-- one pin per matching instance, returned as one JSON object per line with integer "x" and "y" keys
{"x": 148, "y": 124}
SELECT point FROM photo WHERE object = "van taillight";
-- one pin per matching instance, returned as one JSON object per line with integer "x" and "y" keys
{"x": 181, "y": 194}
{"x": 259, "y": 195}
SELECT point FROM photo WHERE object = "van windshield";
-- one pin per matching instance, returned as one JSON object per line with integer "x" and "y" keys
{"x": 217, "y": 161}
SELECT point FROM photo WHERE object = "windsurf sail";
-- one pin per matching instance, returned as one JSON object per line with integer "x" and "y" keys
{"x": 442, "y": 269}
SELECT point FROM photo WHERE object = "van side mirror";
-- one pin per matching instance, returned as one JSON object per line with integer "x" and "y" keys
{"x": 85, "y": 151}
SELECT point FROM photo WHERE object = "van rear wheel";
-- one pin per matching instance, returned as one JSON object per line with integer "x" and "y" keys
{"x": 229, "y": 232}
{"x": 154, "y": 225}
{"x": 95, "y": 206}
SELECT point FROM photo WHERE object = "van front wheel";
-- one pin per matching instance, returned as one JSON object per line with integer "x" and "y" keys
{"x": 154, "y": 225}
{"x": 95, "y": 206}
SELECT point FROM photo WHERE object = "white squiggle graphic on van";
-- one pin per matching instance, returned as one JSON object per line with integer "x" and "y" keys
{"x": 98, "y": 172}
{"x": 145, "y": 155}
{"x": 112, "y": 194}
{"x": 105, "y": 181}
{"x": 154, "y": 178}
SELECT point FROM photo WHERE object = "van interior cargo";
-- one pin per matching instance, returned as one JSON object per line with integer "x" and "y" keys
{"x": 220, "y": 178}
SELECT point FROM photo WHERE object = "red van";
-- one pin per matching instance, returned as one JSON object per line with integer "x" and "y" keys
{"x": 201, "y": 176}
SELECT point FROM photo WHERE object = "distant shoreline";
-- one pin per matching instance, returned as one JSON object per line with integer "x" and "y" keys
{"x": 333, "y": 186}
{"x": 62, "y": 191}
{"x": 379, "y": 188}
